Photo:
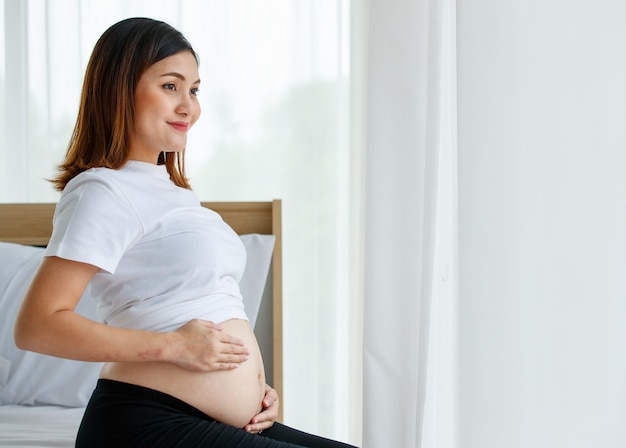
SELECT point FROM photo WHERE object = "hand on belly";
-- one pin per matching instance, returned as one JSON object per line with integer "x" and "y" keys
{"x": 228, "y": 396}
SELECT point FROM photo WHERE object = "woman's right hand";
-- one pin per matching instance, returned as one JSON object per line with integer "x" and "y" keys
{"x": 203, "y": 346}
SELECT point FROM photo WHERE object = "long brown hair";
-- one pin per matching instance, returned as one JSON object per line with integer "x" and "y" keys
{"x": 105, "y": 121}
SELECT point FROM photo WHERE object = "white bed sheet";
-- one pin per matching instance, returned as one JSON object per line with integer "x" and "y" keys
{"x": 38, "y": 426}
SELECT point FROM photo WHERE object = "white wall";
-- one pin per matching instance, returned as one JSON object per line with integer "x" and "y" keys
{"x": 542, "y": 222}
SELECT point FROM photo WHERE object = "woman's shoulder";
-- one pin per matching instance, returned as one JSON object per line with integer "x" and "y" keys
{"x": 94, "y": 222}
{"x": 145, "y": 188}
{"x": 94, "y": 181}
{"x": 133, "y": 176}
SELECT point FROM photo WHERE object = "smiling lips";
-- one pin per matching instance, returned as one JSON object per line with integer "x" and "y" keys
{"x": 179, "y": 125}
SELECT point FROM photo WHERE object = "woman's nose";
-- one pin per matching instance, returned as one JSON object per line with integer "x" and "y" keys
{"x": 183, "y": 107}
{"x": 189, "y": 107}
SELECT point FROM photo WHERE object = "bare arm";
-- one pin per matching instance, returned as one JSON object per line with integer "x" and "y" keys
{"x": 48, "y": 324}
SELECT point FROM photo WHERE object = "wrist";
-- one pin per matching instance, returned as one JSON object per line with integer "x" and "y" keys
{"x": 168, "y": 347}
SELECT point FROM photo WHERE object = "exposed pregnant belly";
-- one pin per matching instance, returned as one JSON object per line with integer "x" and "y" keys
{"x": 228, "y": 396}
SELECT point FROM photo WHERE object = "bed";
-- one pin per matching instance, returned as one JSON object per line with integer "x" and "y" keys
{"x": 42, "y": 398}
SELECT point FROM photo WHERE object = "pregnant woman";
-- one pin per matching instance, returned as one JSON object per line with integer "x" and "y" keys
{"x": 182, "y": 365}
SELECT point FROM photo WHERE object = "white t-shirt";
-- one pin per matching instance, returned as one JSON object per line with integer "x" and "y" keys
{"x": 163, "y": 258}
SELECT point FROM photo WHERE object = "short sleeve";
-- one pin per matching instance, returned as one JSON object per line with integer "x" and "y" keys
{"x": 93, "y": 223}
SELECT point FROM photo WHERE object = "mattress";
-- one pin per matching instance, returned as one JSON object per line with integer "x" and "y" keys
{"x": 38, "y": 426}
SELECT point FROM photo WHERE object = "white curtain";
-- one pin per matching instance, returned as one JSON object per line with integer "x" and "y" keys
{"x": 510, "y": 330}
{"x": 542, "y": 223}
{"x": 275, "y": 97}
{"x": 410, "y": 231}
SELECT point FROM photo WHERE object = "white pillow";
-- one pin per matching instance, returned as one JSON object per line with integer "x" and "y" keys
{"x": 259, "y": 249}
{"x": 29, "y": 378}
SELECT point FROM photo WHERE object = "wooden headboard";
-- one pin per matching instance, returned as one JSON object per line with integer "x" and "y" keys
{"x": 32, "y": 224}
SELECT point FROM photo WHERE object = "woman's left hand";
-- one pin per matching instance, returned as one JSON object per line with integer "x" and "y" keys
{"x": 268, "y": 415}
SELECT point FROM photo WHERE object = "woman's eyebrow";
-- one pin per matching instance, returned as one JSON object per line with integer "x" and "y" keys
{"x": 178, "y": 75}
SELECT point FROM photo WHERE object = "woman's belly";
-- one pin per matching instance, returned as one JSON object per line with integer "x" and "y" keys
{"x": 229, "y": 396}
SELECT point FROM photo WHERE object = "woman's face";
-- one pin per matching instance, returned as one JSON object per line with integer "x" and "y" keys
{"x": 166, "y": 106}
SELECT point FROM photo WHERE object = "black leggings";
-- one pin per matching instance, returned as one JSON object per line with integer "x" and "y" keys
{"x": 125, "y": 415}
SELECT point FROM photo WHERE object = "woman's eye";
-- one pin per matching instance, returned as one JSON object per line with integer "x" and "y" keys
{"x": 170, "y": 86}
{"x": 195, "y": 91}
